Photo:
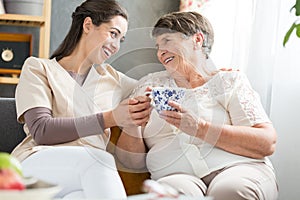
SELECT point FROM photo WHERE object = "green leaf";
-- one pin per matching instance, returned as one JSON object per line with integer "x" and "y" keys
{"x": 298, "y": 30}
{"x": 288, "y": 34}
{"x": 297, "y": 7}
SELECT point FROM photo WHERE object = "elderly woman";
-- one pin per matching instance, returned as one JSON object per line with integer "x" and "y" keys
{"x": 218, "y": 141}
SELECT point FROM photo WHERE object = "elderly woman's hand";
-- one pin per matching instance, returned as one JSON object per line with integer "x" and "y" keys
{"x": 182, "y": 119}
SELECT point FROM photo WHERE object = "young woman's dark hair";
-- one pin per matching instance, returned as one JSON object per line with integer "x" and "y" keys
{"x": 100, "y": 11}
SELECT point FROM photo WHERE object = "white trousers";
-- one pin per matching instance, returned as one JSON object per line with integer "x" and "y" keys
{"x": 244, "y": 181}
{"x": 82, "y": 172}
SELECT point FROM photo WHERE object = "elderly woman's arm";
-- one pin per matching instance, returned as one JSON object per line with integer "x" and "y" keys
{"x": 257, "y": 141}
{"x": 131, "y": 149}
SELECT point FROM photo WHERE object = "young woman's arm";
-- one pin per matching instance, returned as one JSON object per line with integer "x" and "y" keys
{"x": 47, "y": 130}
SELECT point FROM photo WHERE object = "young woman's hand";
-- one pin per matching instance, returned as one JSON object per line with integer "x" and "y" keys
{"x": 133, "y": 112}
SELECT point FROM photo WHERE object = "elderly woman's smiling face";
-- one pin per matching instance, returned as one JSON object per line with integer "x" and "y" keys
{"x": 175, "y": 51}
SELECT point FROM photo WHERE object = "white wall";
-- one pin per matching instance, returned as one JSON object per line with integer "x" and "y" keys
{"x": 285, "y": 109}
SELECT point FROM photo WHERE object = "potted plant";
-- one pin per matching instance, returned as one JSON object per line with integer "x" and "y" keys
{"x": 295, "y": 25}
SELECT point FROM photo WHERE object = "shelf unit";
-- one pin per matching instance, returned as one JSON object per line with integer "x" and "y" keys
{"x": 43, "y": 22}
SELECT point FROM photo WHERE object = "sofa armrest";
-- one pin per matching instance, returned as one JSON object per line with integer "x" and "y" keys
{"x": 132, "y": 179}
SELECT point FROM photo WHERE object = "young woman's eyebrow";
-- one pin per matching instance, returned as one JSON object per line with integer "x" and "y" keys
{"x": 116, "y": 29}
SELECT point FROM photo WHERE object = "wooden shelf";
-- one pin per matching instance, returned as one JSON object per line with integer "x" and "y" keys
{"x": 44, "y": 24}
{"x": 10, "y": 71}
{"x": 12, "y": 79}
{"x": 9, "y": 80}
{"x": 21, "y": 20}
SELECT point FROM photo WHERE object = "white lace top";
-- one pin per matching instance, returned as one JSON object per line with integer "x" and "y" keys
{"x": 227, "y": 98}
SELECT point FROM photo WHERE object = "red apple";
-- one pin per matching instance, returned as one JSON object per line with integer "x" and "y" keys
{"x": 10, "y": 173}
{"x": 10, "y": 180}
{"x": 8, "y": 161}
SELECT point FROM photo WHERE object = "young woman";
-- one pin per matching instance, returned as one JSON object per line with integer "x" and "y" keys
{"x": 69, "y": 102}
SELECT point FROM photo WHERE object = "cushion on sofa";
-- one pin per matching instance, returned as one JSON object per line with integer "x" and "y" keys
{"x": 11, "y": 132}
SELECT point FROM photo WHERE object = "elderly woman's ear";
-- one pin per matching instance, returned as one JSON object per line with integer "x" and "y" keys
{"x": 198, "y": 40}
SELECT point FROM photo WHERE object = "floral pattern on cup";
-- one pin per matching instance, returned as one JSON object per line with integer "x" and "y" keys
{"x": 162, "y": 95}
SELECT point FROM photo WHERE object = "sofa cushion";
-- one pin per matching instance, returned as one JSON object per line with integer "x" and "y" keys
{"x": 11, "y": 132}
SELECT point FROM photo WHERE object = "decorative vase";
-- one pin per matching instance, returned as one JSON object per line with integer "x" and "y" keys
{"x": 24, "y": 7}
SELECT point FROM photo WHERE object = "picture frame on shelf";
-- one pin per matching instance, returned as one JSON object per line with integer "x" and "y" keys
{"x": 14, "y": 49}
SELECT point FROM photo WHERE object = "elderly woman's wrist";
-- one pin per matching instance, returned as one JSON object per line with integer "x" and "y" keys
{"x": 202, "y": 128}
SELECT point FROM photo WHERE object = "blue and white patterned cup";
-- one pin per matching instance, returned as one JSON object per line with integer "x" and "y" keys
{"x": 161, "y": 96}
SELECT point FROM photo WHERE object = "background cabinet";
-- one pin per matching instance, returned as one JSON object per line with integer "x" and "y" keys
{"x": 43, "y": 22}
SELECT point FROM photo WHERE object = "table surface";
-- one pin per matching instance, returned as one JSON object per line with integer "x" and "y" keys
{"x": 154, "y": 196}
{"x": 150, "y": 196}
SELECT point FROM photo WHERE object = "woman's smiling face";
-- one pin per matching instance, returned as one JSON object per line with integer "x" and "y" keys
{"x": 175, "y": 51}
{"x": 104, "y": 41}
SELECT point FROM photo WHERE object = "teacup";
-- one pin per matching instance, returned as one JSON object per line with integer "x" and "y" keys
{"x": 162, "y": 95}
